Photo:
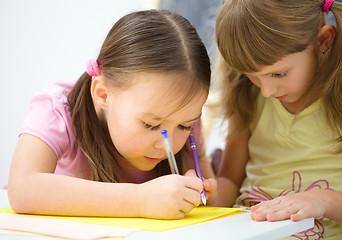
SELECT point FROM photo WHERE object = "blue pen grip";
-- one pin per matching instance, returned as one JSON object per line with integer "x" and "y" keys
{"x": 169, "y": 153}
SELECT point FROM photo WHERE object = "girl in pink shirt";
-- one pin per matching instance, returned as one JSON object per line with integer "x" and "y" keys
{"x": 94, "y": 147}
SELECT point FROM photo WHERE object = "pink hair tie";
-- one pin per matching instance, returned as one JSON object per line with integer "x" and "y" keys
{"x": 327, "y": 5}
{"x": 93, "y": 68}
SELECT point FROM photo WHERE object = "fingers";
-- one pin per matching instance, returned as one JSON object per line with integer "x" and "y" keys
{"x": 296, "y": 207}
{"x": 190, "y": 195}
{"x": 179, "y": 215}
{"x": 277, "y": 210}
{"x": 269, "y": 210}
{"x": 194, "y": 187}
{"x": 172, "y": 196}
{"x": 193, "y": 197}
{"x": 187, "y": 206}
{"x": 299, "y": 216}
{"x": 187, "y": 190}
{"x": 191, "y": 172}
{"x": 183, "y": 193}
{"x": 193, "y": 182}
{"x": 210, "y": 185}
{"x": 272, "y": 216}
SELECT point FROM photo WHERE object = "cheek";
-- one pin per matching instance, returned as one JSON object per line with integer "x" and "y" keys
{"x": 303, "y": 76}
{"x": 129, "y": 148}
{"x": 180, "y": 141}
{"x": 130, "y": 144}
{"x": 301, "y": 82}
{"x": 130, "y": 138}
{"x": 124, "y": 133}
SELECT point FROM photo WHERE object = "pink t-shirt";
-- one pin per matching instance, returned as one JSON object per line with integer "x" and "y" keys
{"x": 49, "y": 119}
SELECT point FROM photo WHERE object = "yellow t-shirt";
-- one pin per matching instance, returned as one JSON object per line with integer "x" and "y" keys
{"x": 292, "y": 153}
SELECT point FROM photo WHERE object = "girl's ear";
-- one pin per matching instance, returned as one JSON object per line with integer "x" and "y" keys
{"x": 326, "y": 36}
{"x": 99, "y": 92}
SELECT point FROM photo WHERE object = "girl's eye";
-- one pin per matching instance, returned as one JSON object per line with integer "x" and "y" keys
{"x": 156, "y": 127}
{"x": 279, "y": 75}
{"x": 149, "y": 126}
{"x": 185, "y": 128}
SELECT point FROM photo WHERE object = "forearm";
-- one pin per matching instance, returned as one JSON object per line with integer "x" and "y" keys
{"x": 227, "y": 192}
{"x": 44, "y": 193}
{"x": 232, "y": 172}
{"x": 206, "y": 169}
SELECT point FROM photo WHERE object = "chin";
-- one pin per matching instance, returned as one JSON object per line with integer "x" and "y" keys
{"x": 146, "y": 168}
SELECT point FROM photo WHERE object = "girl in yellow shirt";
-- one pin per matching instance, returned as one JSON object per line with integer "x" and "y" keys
{"x": 281, "y": 76}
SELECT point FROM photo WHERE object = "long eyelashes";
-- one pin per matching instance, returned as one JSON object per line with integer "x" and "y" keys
{"x": 279, "y": 75}
{"x": 151, "y": 127}
{"x": 157, "y": 127}
{"x": 185, "y": 128}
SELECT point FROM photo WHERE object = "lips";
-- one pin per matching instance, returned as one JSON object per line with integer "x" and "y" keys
{"x": 281, "y": 97}
{"x": 154, "y": 160}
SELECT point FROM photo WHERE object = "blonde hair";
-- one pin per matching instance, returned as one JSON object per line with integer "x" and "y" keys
{"x": 252, "y": 33}
{"x": 142, "y": 41}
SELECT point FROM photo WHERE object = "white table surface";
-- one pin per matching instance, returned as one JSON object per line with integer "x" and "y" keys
{"x": 237, "y": 227}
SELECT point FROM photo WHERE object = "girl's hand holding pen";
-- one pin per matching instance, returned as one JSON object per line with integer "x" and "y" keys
{"x": 209, "y": 185}
{"x": 170, "y": 196}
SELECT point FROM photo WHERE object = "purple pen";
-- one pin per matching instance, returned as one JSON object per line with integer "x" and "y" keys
{"x": 197, "y": 166}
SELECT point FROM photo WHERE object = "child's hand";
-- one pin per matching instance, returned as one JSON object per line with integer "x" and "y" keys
{"x": 170, "y": 196}
{"x": 296, "y": 207}
{"x": 209, "y": 185}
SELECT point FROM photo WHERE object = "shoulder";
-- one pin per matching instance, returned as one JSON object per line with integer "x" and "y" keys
{"x": 51, "y": 103}
{"x": 49, "y": 118}
{"x": 56, "y": 91}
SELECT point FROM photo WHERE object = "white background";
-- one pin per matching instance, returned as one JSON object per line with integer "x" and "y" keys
{"x": 44, "y": 41}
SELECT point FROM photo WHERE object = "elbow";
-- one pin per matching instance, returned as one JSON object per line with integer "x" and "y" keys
{"x": 18, "y": 198}
{"x": 18, "y": 207}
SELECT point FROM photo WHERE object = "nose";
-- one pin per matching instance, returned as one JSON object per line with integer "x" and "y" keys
{"x": 159, "y": 143}
{"x": 267, "y": 89}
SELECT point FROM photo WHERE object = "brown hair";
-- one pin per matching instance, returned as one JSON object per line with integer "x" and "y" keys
{"x": 142, "y": 41}
{"x": 251, "y": 34}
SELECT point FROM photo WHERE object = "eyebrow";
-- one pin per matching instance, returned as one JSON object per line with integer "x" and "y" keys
{"x": 158, "y": 118}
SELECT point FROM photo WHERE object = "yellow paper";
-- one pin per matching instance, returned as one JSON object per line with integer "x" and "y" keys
{"x": 197, "y": 215}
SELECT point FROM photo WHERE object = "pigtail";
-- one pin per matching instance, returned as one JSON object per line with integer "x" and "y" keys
{"x": 92, "y": 135}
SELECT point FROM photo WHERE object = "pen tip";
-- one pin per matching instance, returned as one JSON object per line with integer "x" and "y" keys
{"x": 204, "y": 200}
